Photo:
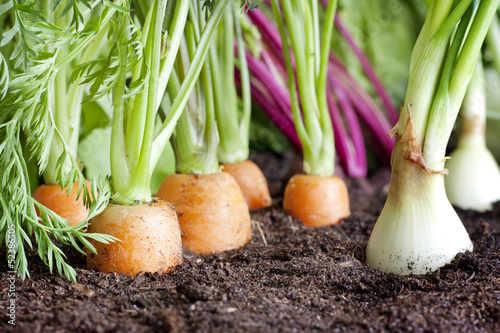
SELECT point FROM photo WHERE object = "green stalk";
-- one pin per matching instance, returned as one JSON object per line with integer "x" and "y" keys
{"x": 141, "y": 9}
{"x": 137, "y": 185}
{"x": 131, "y": 174}
{"x": 196, "y": 139}
{"x": 120, "y": 170}
{"x": 188, "y": 83}
{"x": 328, "y": 145}
{"x": 297, "y": 115}
{"x": 136, "y": 120}
{"x": 427, "y": 60}
{"x": 246, "y": 96}
{"x": 176, "y": 29}
{"x": 305, "y": 65}
{"x": 142, "y": 175}
{"x": 60, "y": 109}
{"x": 232, "y": 121}
{"x": 314, "y": 127}
{"x": 493, "y": 41}
{"x": 222, "y": 63}
{"x": 448, "y": 101}
{"x": 67, "y": 97}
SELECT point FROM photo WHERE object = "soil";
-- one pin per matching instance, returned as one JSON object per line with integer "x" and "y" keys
{"x": 286, "y": 279}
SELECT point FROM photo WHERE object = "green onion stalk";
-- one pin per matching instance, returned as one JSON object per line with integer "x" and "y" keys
{"x": 474, "y": 179}
{"x": 418, "y": 230}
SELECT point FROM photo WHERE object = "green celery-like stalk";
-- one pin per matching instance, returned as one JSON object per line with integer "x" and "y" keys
{"x": 67, "y": 96}
{"x": 135, "y": 150}
{"x": 301, "y": 20}
{"x": 130, "y": 173}
{"x": 196, "y": 138}
{"x": 233, "y": 116}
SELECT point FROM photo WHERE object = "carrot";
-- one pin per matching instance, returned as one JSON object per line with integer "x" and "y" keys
{"x": 64, "y": 205}
{"x": 212, "y": 212}
{"x": 149, "y": 234}
{"x": 252, "y": 183}
{"x": 148, "y": 228}
{"x": 317, "y": 201}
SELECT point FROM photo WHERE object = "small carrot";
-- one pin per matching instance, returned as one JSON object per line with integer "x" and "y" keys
{"x": 252, "y": 183}
{"x": 316, "y": 198}
{"x": 64, "y": 205}
{"x": 212, "y": 212}
{"x": 150, "y": 239}
{"x": 317, "y": 201}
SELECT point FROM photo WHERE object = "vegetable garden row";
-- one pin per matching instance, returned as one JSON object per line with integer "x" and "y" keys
{"x": 125, "y": 128}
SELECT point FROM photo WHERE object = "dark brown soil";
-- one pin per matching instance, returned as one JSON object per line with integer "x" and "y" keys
{"x": 302, "y": 280}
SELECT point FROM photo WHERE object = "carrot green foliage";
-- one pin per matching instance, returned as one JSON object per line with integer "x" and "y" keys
{"x": 35, "y": 50}
{"x": 135, "y": 145}
{"x": 196, "y": 138}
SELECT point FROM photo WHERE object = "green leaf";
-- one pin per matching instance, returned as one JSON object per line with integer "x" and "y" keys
{"x": 95, "y": 114}
{"x": 119, "y": 8}
{"x": 164, "y": 168}
{"x": 94, "y": 152}
{"x": 27, "y": 129}
{"x": 8, "y": 35}
{"x": 6, "y": 7}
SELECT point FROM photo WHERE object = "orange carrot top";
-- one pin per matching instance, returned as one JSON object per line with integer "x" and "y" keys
{"x": 211, "y": 208}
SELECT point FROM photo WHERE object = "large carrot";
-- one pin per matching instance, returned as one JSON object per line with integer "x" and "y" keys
{"x": 317, "y": 201}
{"x": 63, "y": 204}
{"x": 147, "y": 227}
{"x": 252, "y": 183}
{"x": 149, "y": 238}
{"x": 211, "y": 209}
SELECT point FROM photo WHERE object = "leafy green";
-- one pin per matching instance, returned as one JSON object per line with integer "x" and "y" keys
{"x": 164, "y": 168}
{"x": 4, "y": 76}
{"x": 27, "y": 111}
{"x": 264, "y": 135}
{"x": 386, "y": 31}
{"x": 94, "y": 152}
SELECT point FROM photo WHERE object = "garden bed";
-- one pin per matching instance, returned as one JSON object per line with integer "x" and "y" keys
{"x": 301, "y": 280}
